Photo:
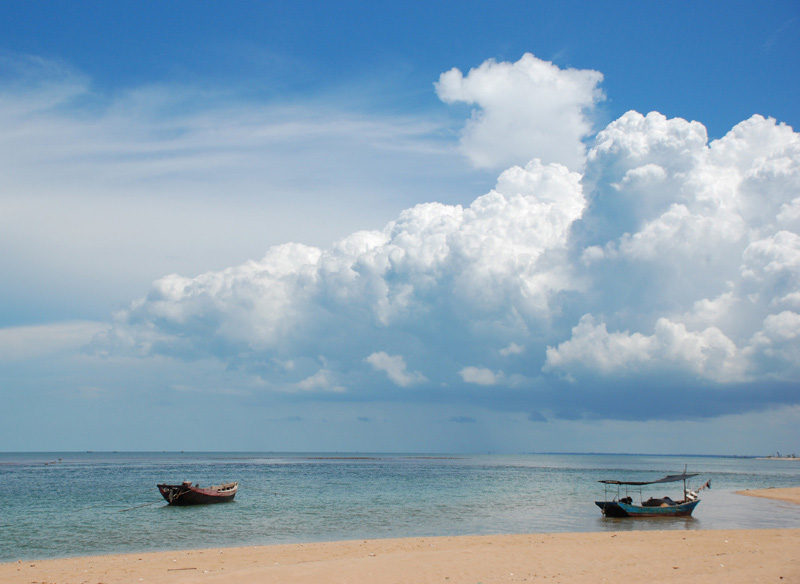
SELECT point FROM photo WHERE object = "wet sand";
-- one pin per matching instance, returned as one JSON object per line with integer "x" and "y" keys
{"x": 731, "y": 556}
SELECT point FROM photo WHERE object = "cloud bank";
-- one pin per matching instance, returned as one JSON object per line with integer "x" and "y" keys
{"x": 666, "y": 272}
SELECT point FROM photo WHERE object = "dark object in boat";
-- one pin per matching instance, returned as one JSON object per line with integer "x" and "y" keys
{"x": 663, "y": 502}
{"x": 186, "y": 494}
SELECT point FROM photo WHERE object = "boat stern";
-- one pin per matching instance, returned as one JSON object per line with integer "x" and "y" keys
{"x": 612, "y": 509}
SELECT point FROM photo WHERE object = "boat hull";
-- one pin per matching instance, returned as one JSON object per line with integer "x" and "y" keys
{"x": 186, "y": 494}
{"x": 617, "y": 509}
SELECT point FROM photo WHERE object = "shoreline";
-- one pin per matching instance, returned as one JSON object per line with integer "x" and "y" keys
{"x": 733, "y": 556}
{"x": 639, "y": 557}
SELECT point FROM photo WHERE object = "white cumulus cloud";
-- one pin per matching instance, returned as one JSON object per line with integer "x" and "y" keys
{"x": 687, "y": 249}
{"x": 395, "y": 368}
{"x": 528, "y": 109}
{"x": 480, "y": 375}
{"x": 669, "y": 258}
{"x": 707, "y": 353}
{"x": 512, "y": 349}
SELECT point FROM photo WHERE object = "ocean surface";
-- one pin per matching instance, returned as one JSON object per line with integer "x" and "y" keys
{"x": 74, "y": 504}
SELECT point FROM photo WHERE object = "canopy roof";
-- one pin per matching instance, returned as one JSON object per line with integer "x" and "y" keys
{"x": 667, "y": 479}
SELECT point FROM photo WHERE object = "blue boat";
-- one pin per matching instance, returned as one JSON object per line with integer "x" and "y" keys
{"x": 623, "y": 506}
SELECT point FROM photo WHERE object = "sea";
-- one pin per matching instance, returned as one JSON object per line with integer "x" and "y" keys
{"x": 64, "y": 504}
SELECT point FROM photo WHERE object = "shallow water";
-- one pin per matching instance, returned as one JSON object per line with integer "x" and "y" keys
{"x": 68, "y": 504}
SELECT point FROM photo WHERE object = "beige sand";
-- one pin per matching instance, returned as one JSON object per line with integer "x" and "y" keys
{"x": 792, "y": 495}
{"x": 730, "y": 556}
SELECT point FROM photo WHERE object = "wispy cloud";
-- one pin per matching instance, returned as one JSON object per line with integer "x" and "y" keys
{"x": 23, "y": 343}
{"x": 774, "y": 38}
{"x": 191, "y": 178}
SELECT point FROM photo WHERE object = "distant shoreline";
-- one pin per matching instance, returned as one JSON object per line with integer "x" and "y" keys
{"x": 366, "y": 454}
{"x": 789, "y": 495}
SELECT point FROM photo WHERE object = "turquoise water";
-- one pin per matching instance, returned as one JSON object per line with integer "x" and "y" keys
{"x": 69, "y": 504}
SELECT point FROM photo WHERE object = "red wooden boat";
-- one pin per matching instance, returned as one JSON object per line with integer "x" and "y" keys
{"x": 186, "y": 494}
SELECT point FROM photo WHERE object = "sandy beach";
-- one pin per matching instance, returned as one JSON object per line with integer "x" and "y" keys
{"x": 731, "y": 556}
{"x": 792, "y": 495}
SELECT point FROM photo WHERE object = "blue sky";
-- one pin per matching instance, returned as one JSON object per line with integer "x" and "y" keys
{"x": 460, "y": 227}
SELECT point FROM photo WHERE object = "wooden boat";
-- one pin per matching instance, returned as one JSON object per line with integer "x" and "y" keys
{"x": 186, "y": 494}
{"x": 664, "y": 507}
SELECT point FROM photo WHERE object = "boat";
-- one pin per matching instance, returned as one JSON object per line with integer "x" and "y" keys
{"x": 621, "y": 506}
{"x": 186, "y": 494}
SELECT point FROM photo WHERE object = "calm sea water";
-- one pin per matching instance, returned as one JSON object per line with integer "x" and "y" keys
{"x": 68, "y": 504}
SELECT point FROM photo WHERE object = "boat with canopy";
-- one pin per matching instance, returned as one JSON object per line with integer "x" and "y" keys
{"x": 623, "y": 505}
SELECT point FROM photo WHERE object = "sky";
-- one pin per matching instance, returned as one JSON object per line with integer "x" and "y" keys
{"x": 460, "y": 227}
